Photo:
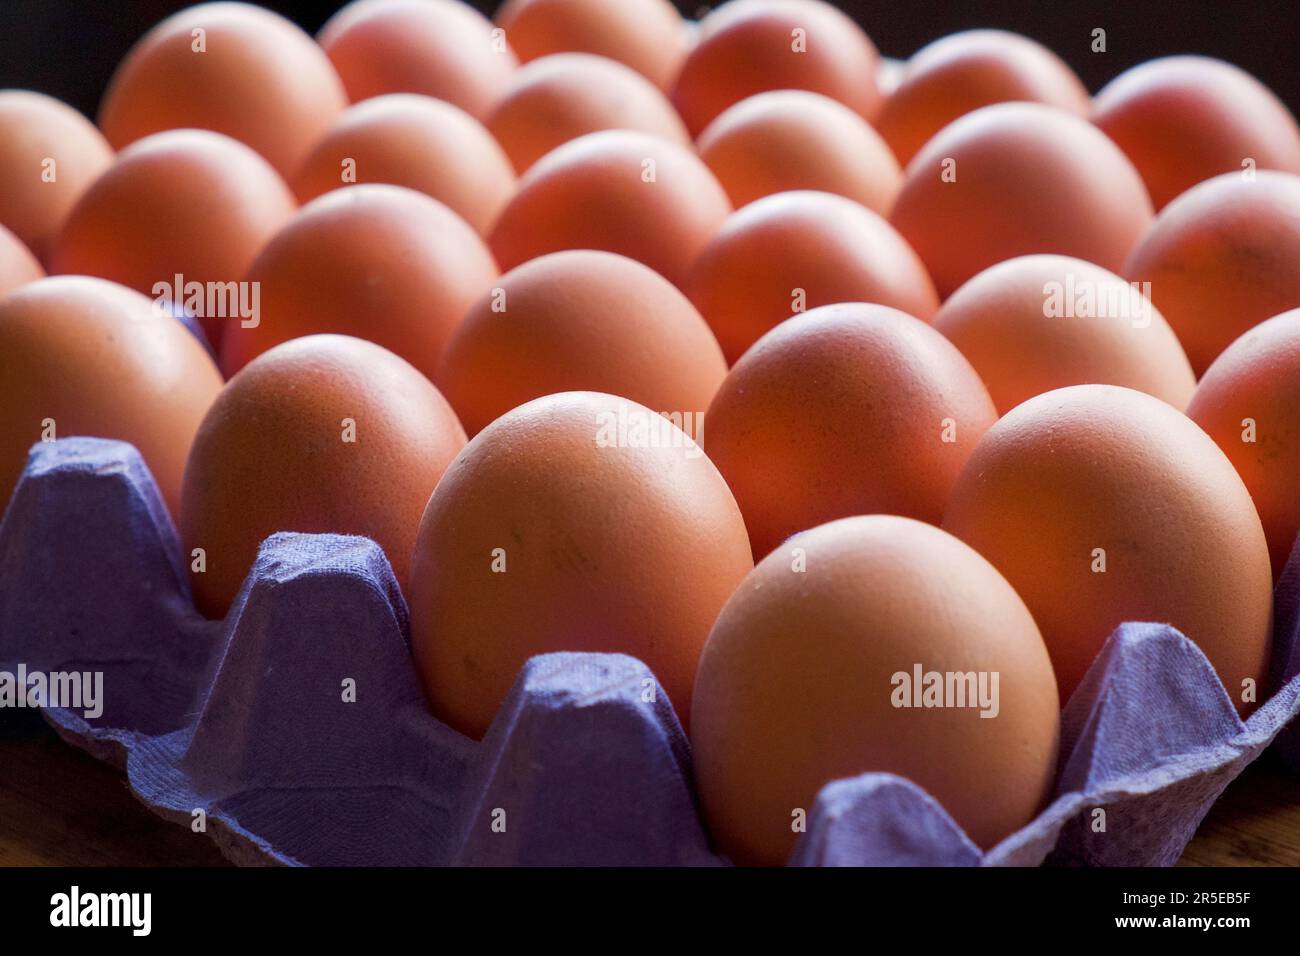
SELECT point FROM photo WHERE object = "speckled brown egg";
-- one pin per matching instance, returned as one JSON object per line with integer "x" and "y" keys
{"x": 234, "y": 68}
{"x": 326, "y": 433}
{"x": 792, "y": 139}
{"x": 791, "y": 252}
{"x": 1102, "y": 505}
{"x": 188, "y": 203}
{"x": 847, "y": 409}
{"x": 49, "y": 155}
{"x": 383, "y": 263}
{"x": 577, "y": 522}
{"x": 810, "y": 675}
{"x": 83, "y": 356}
{"x": 620, "y": 191}
{"x": 1014, "y": 179}
{"x": 1036, "y": 323}
{"x": 405, "y": 139}
{"x": 17, "y": 264}
{"x": 558, "y": 98}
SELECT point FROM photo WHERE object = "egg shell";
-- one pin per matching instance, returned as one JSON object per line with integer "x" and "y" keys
{"x": 1185, "y": 119}
{"x": 800, "y": 684}
{"x": 560, "y": 97}
{"x": 1223, "y": 257}
{"x": 1036, "y": 323}
{"x": 17, "y": 264}
{"x": 581, "y": 320}
{"x": 750, "y": 46}
{"x": 382, "y": 263}
{"x": 964, "y": 71}
{"x": 1249, "y": 403}
{"x": 646, "y": 35}
{"x": 273, "y": 454}
{"x": 796, "y": 251}
{"x": 848, "y": 409}
{"x": 441, "y": 48}
{"x": 786, "y": 140}
{"x": 49, "y": 155}
{"x": 619, "y": 191}
{"x": 405, "y": 139}
{"x": 251, "y": 74}
{"x": 1097, "y": 476}
{"x": 570, "y": 524}
{"x": 98, "y": 359}
{"x": 185, "y": 202}
{"x": 1014, "y": 179}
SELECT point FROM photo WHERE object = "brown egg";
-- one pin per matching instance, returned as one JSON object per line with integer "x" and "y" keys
{"x": 750, "y": 46}
{"x": 186, "y": 203}
{"x": 961, "y": 72}
{"x": 1103, "y": 505}
{"x": 382, "y": 263}
{"x": 561, "y": 97}
{"x": 441, "y": 48}
{"x": 17, "y": 265}
{"x": 49, "y": 154}
{"x": 1014, "y": 179}
{"x": 817, "y": 668}
{"x": 418, "y": 142}
{"x": 792, "y": 139}
{"x": 1036, "y": 323}
{"x": 577, "y": 522}
{"x": 1249, "y": 403}
{"x": 581, "y": 320}
{"x": 326, "y": 433}
{"x": 81, "y": 356}
{"x": 230, "y": 67}
{"x": 646, "y": 35}
{"x": 1185, "y": 119}
{"x": 849, "y": 409}
{"x": 621, "y": 191}
{"x": 794, "y": 251}
{"x": 1222, "y": 258}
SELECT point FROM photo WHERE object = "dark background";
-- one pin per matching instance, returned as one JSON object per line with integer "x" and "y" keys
{"x": 68, "y": 48}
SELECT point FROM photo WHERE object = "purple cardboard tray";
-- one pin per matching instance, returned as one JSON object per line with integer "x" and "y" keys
{"x": 295, "y": 731}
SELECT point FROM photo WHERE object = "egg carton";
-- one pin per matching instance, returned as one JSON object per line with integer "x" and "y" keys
{"x": 295, "y": 731}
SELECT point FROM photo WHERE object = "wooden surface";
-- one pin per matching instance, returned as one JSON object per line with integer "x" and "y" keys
{"x": 59, "y": 806}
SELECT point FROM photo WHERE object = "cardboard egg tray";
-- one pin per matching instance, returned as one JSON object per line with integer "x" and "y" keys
{"x": 295, "y": 731}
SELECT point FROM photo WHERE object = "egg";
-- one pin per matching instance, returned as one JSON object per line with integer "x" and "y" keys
{"x": 791, "y": 252}
{"x": 1014, "y": 179}
{"x": 83, "y": 356}
{"x": 1249, "y": 403}
{"x": 382, "y": 263}
{"x": 581, "y": 320}
{"x": 750, "y": 46}
{"x": 441, "y": 48}
{"x": 576, "y": 522}
{"x": 646, "y": 35}
{"x": 230, "y": 67}
{"x": 1101, "y": 505}
{"x": 619, "y": 191}
{"x": 816, "y": 669}
{"x": 187, "y": 203}
{"x": 848, "y": 409}
{"x": 964, "y": 71}
{"x": 563, "y": 96}
{"x": 326, "y": 433}
{"x": 792, "y": 139}
{"x": 1223, "y": 257}
{"x": 17, "y": 264}
{"x": 1185, "y": 119}
{"x": 49, "y": 155}
{"x": 1036, "y": 323}
{"x": 415, "y": 141}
